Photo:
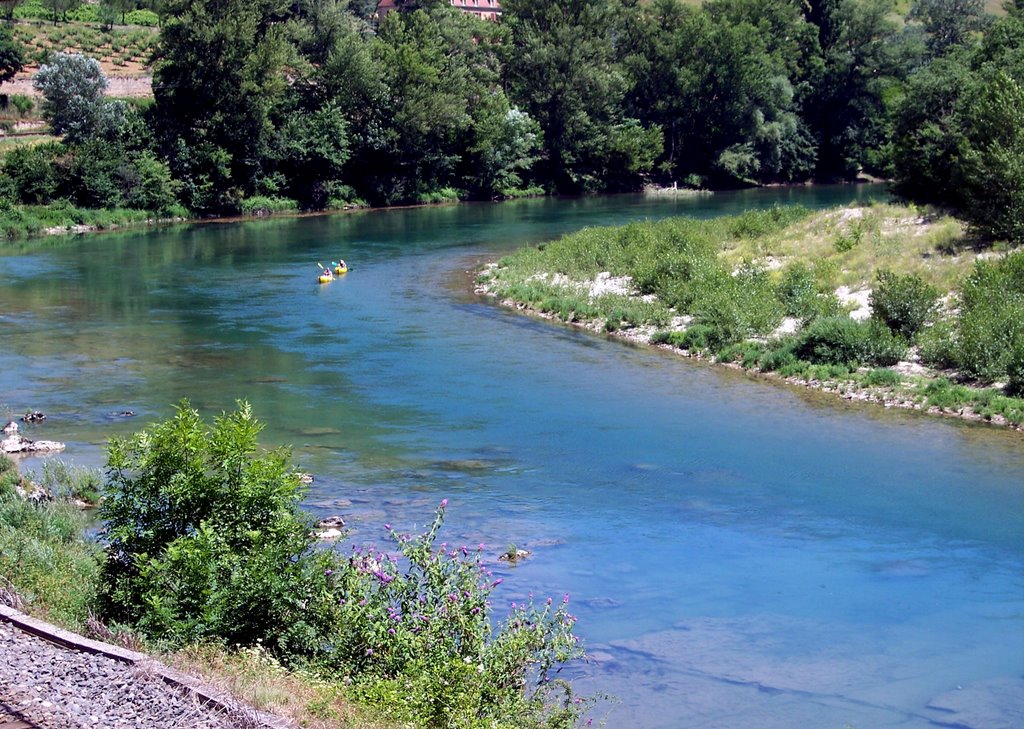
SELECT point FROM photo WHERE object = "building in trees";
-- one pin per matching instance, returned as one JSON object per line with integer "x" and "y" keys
{"x": 485, "y": 9}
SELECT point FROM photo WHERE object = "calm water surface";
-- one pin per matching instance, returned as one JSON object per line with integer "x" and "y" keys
{"x": 740, "y": 554}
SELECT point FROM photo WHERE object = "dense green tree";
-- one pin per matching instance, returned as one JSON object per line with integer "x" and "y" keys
{"x": 219, "y": 78}
{"x": 310, "y": 153}
{"x": 424, "y": 104}
{"x": 506, "y": 143}
{"x": 849, "y": 109}
{"x": 958, "y": 134}
{"x": 723, "y": 95}
{"x": 12, "y": 55}
{"x": 928, "y": 138}
{"x": 563, "y": 70}
{"x": 993, "y": 163}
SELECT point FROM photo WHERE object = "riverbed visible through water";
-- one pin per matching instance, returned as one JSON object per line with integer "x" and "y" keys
{"x": 739, "y": 553}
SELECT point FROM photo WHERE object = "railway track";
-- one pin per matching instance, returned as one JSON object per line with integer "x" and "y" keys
{"x": 53, "y": 679}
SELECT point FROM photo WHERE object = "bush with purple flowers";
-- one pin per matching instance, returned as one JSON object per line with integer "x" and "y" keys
{"x": 414, "y": 637}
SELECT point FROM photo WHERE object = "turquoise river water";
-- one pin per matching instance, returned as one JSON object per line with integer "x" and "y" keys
{"x": 740, "y": 554}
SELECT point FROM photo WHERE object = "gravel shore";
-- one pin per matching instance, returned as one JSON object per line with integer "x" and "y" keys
{"x": 61, "y": 688}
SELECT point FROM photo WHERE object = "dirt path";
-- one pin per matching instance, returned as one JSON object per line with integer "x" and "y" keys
{"x": 119, "y": 86}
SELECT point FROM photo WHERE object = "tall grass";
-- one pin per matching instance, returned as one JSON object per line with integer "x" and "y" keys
{"x": 45, "y": 559}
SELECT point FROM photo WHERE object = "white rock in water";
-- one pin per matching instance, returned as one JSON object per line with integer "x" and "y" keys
{"x": 11, "y": 428}
{"x": 20, "y": 444}
{"x": 328, "y": 534}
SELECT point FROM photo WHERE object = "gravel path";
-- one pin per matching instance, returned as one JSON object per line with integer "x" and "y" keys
{"x": 61, "y": 688}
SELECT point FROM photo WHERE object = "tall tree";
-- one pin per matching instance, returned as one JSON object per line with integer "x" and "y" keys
{"x": 719, "y": 85}
{"x": 219, "y": 77}
{"x": 848, "y": 110}
{"x": 563, "y": 70}
{"x": 73, "y": 103}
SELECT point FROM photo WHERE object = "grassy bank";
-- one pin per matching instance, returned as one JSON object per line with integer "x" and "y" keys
{"x": 884, "y": 303}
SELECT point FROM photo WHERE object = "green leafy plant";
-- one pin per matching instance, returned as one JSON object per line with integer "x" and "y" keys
{"x": 204, "y": 537}
{"x": 906, "y": 304}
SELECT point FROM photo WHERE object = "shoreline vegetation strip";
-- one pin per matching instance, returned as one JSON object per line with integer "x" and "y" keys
{"x": 866, "y": 303}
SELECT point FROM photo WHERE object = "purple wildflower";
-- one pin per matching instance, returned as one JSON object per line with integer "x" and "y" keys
{"x": 444, "y": 503}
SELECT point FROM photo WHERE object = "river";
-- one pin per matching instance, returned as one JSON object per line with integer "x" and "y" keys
{"x": 739, "y": 553}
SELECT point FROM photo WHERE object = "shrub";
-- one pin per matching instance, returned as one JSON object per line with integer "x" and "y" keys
{"x": 204, "y": 536}
{"x": 745, "y": 353}
{"x": 69, "y": 482}
{"x": 942, "y": 394}
{"x": 833, "y": 340}
{"x": 798, "y": 291}
{"x": 142, "y": 17}
{"x": 883, "y": 347}
{"x": 1015, "y": 370}
{"x": 937, "y": 344}
{"x": 414, "y": 636}
{"x": 906, "y": 304}
{"x": 991, "y": 318}
{"x": 697, "y": 338}
{"x": 780, "y": 355}
{"x": 759, "y": 223}
{"x": 444, "y": 195}
{"x": 23, "y": 104}
{"x": 33, "y": 172}
{"x": 673, "y": 338}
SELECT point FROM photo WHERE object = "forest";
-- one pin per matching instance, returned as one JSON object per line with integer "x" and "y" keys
{"x": 318, "y": 104}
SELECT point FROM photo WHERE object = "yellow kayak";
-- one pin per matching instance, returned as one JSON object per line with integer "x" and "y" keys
{"x": 325, "y": 278}
{"x": 338, "y": 270}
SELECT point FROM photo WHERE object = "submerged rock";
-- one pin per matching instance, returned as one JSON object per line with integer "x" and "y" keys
{"x": 33, "y": 417}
